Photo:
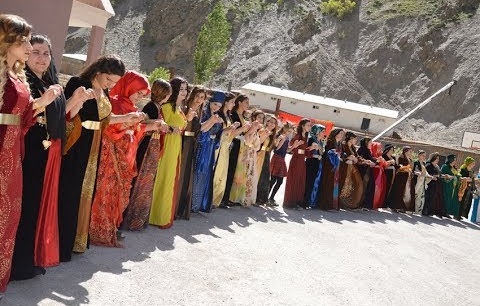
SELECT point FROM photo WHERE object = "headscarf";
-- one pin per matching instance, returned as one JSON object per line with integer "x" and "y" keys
{"x": 468, "y": 161}
{"x": 316, "y": 128}
{"x": 55, "y": 112}
{"x": 450, "y": 159}
{"x": 130, "y": 83}
{"x": 376, "y": 149}
{"x": 387, "y": 148}
{"x": 218, "y": 96}
{"x": 364, "y": 151}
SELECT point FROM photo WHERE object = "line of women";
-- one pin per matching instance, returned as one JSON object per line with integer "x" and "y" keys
{"x": 80, "y": 163}
{"x": 337, "y": 175}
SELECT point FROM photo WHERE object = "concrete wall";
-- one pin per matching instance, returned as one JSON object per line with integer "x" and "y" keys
{"x": 50, "y": 17}
{"x": 341, "y": 117}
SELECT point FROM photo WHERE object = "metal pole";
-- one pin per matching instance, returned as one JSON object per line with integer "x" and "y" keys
{"x": 419, "y": 106}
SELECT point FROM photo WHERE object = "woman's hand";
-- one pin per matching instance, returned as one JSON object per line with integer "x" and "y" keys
{"x": 191, "y": 114}
{"x": 48, "y": 96}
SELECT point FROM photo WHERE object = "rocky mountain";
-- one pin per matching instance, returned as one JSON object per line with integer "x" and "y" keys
{"x": 388, "y": 53}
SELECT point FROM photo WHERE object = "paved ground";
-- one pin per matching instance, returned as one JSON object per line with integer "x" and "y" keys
{"x": 260, "y": 256}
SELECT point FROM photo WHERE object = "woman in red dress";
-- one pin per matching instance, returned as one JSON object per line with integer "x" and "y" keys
{"x": 117, "y": 167}
{"x": 379, "y": 176}
{"x": 296, "y": 176}
{"x": 17, "y": 109}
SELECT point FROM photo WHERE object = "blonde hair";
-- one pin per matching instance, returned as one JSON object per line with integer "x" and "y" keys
{"x": 13, "y": 30}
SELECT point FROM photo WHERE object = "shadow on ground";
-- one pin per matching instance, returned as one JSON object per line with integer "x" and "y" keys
{"x": 68, "y": 277}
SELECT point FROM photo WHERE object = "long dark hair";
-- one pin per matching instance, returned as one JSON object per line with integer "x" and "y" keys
{"x": 239, "y": 100}
{"x": 221, "y": 113}
{"x": 331, "y": 141}
{"x": 109, "y": 64}
{"x": 300, "y": 126}
{"x": 176, "y": 83}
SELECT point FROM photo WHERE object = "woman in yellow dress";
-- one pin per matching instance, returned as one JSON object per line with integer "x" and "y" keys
{"x": 166, "y": 187}
{"x": 223, "y": 152}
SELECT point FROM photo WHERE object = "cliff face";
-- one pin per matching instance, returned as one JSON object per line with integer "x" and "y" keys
{"x": 387, "y": 53}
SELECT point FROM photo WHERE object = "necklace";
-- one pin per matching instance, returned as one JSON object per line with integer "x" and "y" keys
{"x": 46, "y": 142}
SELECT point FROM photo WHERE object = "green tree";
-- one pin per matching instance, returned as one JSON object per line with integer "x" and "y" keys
{"x": 338, "y": 8}
{"x": 212, "y": 44}
{"x": 158, "y": 73}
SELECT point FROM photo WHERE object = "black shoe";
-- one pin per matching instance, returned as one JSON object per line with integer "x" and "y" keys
{"x": 223, "y": 205}
{"x": 39, "y": 271}
{"x": 120, "y": 235}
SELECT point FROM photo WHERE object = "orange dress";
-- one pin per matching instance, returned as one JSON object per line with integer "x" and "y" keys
{"x": 117, "y": 166}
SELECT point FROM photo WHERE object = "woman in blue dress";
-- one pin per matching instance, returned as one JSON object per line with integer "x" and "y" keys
{"x": 204, "y": 161}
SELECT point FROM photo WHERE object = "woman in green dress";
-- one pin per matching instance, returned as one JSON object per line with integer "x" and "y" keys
{"x": 450, "y": 185}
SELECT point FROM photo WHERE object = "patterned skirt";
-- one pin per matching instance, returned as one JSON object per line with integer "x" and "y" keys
{"x": 278, "y": 167}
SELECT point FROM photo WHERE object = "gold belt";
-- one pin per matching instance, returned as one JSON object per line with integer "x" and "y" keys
{"x": 189, "y": 133}
{"x": 91, "y": 125}
{"x": 9, "y": 119}
{"x": 300, "y": 151}
{"x": 156, "y": 135}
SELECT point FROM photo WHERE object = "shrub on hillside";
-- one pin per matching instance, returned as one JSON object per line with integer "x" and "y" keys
{"x": 158, "y": 73}
{"x": 338, "y": 8}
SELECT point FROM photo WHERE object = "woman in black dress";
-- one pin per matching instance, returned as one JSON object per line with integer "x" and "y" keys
{"x": 79, "y": 164}
{"x": 41, "y": 169}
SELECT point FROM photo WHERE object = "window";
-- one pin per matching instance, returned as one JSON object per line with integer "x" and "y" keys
{"x": 365, "y": 124}
{"x": 316, "y": 107}
{"x": 336, "y": 111}
{"x": 293, "y": 102}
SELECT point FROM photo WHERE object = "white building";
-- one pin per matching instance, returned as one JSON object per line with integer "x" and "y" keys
{"x": 355, "y": 116}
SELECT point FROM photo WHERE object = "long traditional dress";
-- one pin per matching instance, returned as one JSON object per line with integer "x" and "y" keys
{"x": 237, "y": 143}
{"x": 189, "y": 149}
{"x": 329, "y": 185}
{"x": 368, "y": 175}
{"x": 117, "y": 167}
{"x": 296, "y": 175}
{"x": 450, "y": 190}
{"x": 263, "y": 164}
{"x": 239, "y": 184}
{"x": 166, "y": 187}
{"x": 221, "y": 166}
{"x": 79, "y": 170}
{"x": 434, "y": 194}
{"x": 148, "y": 154}
{"x": 475, "y": 212}
{"x": 401, "y": 194}
{"x": 390, "y": 171}
{"x": 203, "y": 168}
{"x": 41, "y": 171}
{"x": 350, "y": 182}
{"x": 380, "y": 186}
{"x": 16, "y": 117}
{"x": 312, "y": 164}
{"x": 465, "y": 193}
{"x": 253, "y": 144}
{"x": 420, "y": 183}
